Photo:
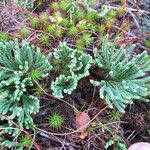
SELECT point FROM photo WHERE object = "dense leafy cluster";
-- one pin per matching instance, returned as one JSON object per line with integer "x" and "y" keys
{"x": 55, "y": 120}
{"x": 21, "y": 66}
{"x": 72, "y": 65}
{"x": 126, "y": 75}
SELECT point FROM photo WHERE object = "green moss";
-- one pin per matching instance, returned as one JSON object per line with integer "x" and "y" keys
{"x": 51, "y": 28}
{"x": 73, "y": 31}
{"x": 80, "y": 44}
{"x": 24, "y": 31}
{"x": 58, "y": 17}
{"x": 55, "y": 120}
{"x": 92, "y": 27}
{"x": 120, "y": 10}
{"x": 87, "y": 39}
{"x": 35, "y": 22}
{"x": 3, "y": 35}
{"x": 80, "y": 15}
{"x": 44, "y": 16}
{"x": 65, "y": 22}
{"x": 92, "y": 16}
{"x": 101, "y": 28}
{"x": 44, "y": 39}
{"x": 109, "y": 19}
{"x": 36, "y": 75}
{"x": 54, "y": 6}
{"x": 112, "y": 13}
{"x": 82, "y": 26}
{"x": 26, "y": 141}
{"x": 63, "y": 5}
{"x": 115, "y": 115}
{"x": 147, "y": 43}
{"x": 56, "y": 66}
{"x": 58, "y": 32}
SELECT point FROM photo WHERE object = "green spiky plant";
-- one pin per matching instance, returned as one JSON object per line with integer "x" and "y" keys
{"x": 101, "y": 28}
{"x": 147, "y": 43}
{"x": 63, "y": 5}
{"x": 73, "y": 31}
{"x": 126, "y": 79}
{"x": 44, "y": 39}
{"x": 115, "y": 115}
{"x": 55, "y": 120}
{"x": 80, "y": 44}
{"x": 73, "y": 65}
{"x": 92, "y": 17}
{"x": 24, "y": 31}
{"x": 87, "y": 39}
{"x": 35, "y": 22}
{"x": 22, "y": 142}
{"x": 58, "y": 32}
{"x": 80, "y": 15}
{"x": 51, "y": 29}
{"x": 25, "y": 141}
{"x": 65, "y": 22}
{"x": 21, "y": 67}
{"x": 3, "y": 36}
{"x": 54, "y": 6}
{"x": 44, "y": 16}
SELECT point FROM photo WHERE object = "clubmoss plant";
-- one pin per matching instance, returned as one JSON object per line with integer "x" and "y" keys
{"x": 56, "y": 120}
{"x": 64, "y": 84}
{"x": 22, "y": 65}
{"x": 119, "y": 145}
{"x": 76, "y": 65}
{"x": 126, "y": 78}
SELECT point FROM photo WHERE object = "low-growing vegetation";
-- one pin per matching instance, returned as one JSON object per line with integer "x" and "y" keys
{"x": 74, "y": 74}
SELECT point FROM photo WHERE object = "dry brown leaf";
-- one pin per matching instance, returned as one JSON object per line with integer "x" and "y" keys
{"x": 81, "y": 120}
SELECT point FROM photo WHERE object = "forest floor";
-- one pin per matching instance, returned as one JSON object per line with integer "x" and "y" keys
{"x": 133, "y": 25}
